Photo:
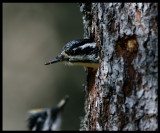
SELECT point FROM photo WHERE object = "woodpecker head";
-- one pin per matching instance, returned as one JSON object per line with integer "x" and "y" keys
{"x": 48, "y": 119}
{"x": 78, "y": 52}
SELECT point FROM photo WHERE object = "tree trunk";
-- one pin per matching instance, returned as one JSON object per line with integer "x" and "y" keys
{"x": 122, "y": 93}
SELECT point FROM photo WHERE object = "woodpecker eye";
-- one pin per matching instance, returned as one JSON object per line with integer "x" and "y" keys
{"x": 71, "y": 46}
{"x": 70, "y": 52}
{"x": 77, "y": 51}
{"x": 54, "y": 113}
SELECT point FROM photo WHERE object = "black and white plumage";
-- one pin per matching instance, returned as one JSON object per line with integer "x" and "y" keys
{"x": 48, "y": 119}
{"x": 78, "y": 52}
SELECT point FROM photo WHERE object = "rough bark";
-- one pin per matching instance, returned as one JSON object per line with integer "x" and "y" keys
{"x": 122, "y": 93}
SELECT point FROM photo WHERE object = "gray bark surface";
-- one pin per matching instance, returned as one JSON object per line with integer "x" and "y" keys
{"x": 122, "y": 94}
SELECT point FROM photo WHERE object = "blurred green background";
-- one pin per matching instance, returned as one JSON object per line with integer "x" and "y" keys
{"x": 34, "y": 33}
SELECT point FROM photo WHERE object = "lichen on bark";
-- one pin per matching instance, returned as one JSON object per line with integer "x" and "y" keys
{"x": 122, "y": 94}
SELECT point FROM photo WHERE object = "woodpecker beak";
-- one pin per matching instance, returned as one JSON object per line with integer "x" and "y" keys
{"x": 63, "y": 102}
{"x": 53, "y": 61}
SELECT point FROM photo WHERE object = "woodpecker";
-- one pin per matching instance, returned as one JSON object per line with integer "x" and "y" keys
{"x": 47, "y": 119}
{"x": 82, "y": 52}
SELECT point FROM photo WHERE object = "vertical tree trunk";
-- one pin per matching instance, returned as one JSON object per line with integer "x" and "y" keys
{"x": 122, "y": 93}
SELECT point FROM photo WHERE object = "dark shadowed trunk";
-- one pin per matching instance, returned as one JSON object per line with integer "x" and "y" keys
{"x": 122, "y": 93}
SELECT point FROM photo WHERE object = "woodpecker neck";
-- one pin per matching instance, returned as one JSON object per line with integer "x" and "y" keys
{"x": 92, "y": 65}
